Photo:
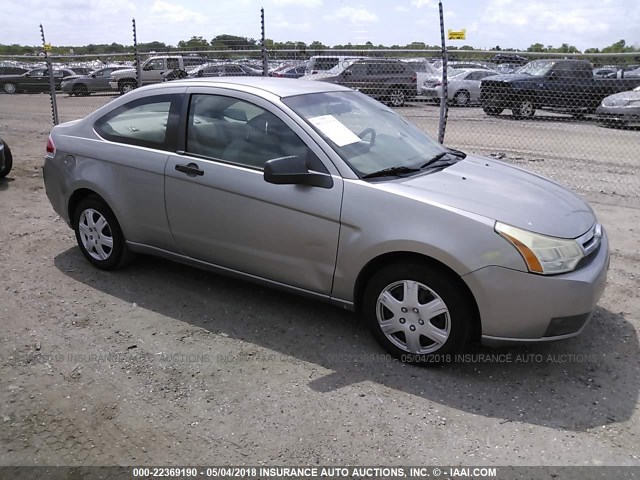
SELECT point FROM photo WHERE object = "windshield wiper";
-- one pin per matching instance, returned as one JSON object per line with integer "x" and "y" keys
{"x": 391, "y": 171}
{"x": 441, "y": 155}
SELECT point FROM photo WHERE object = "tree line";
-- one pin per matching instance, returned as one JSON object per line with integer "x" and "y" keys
{"x": 233, "y": 42}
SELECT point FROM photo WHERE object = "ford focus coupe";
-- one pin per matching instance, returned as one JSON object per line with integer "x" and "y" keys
{"x": 323, "y": 191}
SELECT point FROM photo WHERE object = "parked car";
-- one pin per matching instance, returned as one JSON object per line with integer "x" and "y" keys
{"x": 564, "y": 86}
{"x": 6, "y": 159}
{"x": 96, "y": 81}
{"x": 424, "y": 71}
{"x": 463, "y": 88}
{"x": 35, "y": 80}
{"x": 290, "y": 71}
{"x": 392, "y": 81}
{"x": 621, "y": 109}
{"x": 152, "y": 71}
{"x": 322, "y": 191}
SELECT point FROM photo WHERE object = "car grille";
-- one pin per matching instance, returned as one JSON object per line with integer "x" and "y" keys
{"x": 590, "y": 244}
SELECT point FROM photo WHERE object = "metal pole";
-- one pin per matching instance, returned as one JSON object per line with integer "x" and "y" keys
{"x": 137, "y": 55}
{"x": 265, "y": 56}
{"x": 444, "y": 107}
{"x": 52, "y": 83}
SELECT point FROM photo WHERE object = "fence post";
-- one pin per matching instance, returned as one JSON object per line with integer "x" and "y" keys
{"x": 265, "y": 56}
{"x": 444, "y": 104}
{"x": 52, "y": 83}
{"x": 137, "y": 55}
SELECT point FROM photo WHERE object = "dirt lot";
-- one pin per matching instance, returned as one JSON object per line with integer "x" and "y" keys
{"x": 165, "y": 364}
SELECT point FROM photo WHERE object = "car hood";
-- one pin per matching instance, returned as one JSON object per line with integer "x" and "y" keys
{"x": 616, "y": 98}
{"x": 505, "y": 193}
{"x": 324, "y": 77}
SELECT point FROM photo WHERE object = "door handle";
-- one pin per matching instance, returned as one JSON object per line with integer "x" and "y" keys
{"x": 190, "y": 169}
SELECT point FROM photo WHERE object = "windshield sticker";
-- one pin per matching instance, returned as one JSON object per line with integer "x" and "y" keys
{"x": 335, "y": 130}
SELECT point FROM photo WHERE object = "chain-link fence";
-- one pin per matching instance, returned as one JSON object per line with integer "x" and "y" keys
{"x": 572, "y": 117}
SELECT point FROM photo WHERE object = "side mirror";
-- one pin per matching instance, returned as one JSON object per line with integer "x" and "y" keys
{"x": 93, "y": 75}
{"x": 294, "y": 171}
{"x": 347, "y": 73}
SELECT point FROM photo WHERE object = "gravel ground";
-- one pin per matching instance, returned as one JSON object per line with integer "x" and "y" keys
{"x": 165, "y": 364}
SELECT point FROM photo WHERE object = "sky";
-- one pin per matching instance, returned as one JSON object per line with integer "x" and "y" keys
{"x": 507, "y": 23}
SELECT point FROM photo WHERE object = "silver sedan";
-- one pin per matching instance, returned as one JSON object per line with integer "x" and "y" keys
{"x": 463, "y": 88}
{"x": 320, "y": 190}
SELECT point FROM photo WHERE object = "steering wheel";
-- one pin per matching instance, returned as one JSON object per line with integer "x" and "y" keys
{"x": 372, "y": 133}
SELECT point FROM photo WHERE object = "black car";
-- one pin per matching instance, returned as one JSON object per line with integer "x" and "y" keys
{"x": 388, "y": 80}
{"x": 36, "y": 80}
{"x": 6, "y": 159}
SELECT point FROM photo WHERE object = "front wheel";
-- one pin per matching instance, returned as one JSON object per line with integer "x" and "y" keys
{"x": 397, "y": 97}
{"x": 524, "y": 109}
{"x": 8, "y": 161}
{"x": 462, "y": 98}
{"x": 417, "y": 312}
{"x": 126, "y": 87}
{"x": 98, "y": 234}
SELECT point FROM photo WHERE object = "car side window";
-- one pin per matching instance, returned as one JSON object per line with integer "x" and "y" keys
{"x": 157, "y": 64}
{"x": 172, "y": 63}
{"x": 239, "y": 132}
{"x": 148, "y": 122}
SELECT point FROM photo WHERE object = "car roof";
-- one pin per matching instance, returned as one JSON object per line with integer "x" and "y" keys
{"x": 281, "y": 87}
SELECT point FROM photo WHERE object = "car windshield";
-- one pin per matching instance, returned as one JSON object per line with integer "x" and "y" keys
{"x": 537, "y": 68}
{"x": 367, "y": 135}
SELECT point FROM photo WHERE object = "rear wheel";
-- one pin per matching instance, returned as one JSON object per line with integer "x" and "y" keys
{"x": 99, "y": 235}
{"x": 10, "y": 88}
{"x": 8, "y": 161}
{"x": 492, "y": 111}
{"x": 418, "y": 312}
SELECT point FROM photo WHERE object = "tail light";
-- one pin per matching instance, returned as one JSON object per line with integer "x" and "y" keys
{"x": 51, "y": 148}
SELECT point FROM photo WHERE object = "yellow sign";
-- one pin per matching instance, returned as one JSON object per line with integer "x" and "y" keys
{"x": 457, "y": 34}
{"x": 47, "y": 47}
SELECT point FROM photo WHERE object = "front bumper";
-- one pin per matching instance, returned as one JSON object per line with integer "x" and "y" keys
{"x": 627, "y": 115}
{"x": 519, "y": 307}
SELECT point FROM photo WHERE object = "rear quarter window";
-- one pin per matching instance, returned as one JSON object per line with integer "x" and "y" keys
{"x": 148, "y": 122}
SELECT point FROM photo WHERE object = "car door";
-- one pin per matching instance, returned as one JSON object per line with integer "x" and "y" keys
{"x": 36, "y": 81}
{"x": 100, "y": 80}
{"x": 222, "y": 211}
{"x": 153, "y": 71}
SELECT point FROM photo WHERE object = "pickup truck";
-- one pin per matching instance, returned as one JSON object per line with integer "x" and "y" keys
{"x": 564, "y": 86}
{"x": 152, "y": 70}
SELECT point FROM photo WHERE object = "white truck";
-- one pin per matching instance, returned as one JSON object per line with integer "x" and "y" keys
{"x": 152, "y": 70}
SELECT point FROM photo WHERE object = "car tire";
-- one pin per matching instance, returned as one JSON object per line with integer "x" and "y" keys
{"x": 462, "y": 98}
{"x": 396, "y": 96}
{"x": 492, "y": 111}
{"x": 10, "y": 88}
{"x": 80, "y": 90}
{"x": 99, "y": 235}
{"x": 8, "y": 161}
{"x": 405, "y": 304}
{"x": 126, "y": 87}
{"x": 524, "y": 109}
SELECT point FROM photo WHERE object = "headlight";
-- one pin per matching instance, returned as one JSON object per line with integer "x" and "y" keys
{"x": 542, "y": 254}
{"x": 615, "y": 102}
